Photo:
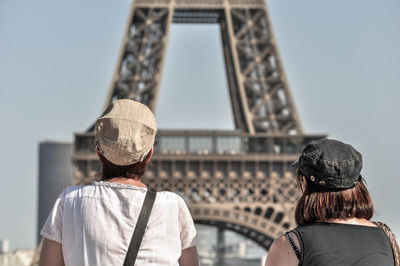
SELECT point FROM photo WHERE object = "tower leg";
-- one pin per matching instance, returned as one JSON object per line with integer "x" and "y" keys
{"x": 220, "y": 256}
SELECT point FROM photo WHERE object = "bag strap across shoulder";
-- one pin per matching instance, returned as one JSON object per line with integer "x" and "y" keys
{"x": 395, "y": 246}
{"x": 140, "y": 228}
{"x": 293, "y": 244}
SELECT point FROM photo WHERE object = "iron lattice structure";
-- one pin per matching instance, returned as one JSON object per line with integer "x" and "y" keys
{"x": 259, "y": 91}
{"x": 238, "y": 180}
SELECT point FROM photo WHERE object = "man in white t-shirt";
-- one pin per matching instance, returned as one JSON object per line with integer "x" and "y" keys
{"x": 93, "y": 225}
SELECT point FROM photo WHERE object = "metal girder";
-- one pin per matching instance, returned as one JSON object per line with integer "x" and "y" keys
{"x": 260, "y": 96}
{"x": 269, "y": 106}
{"x": 138, "y": 71}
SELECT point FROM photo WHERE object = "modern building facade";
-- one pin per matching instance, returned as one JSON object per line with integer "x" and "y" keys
{"x": 55, "y": 174}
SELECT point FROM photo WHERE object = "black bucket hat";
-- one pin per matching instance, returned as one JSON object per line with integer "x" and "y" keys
{"x": 330, "y": 163}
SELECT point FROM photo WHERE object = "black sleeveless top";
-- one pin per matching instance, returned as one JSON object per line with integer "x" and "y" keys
{"x": 331, "y": 244}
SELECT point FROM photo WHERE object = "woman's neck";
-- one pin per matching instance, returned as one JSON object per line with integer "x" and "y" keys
{"x": 129, "y": 181}
{"x": 354, "y": 220}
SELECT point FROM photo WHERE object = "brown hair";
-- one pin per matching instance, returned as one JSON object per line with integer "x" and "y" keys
{"x": 319, "y": 204}
{"x": 110, "y": 170}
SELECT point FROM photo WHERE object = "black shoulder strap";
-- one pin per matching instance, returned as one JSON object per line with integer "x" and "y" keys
{"x": 293, "y": 244}
{"x": 140, "y": 228}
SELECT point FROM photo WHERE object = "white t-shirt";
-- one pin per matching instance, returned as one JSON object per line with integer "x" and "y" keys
{"x": 95, "y": 224}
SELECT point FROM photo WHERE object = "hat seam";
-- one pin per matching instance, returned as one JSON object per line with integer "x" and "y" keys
{"x": 350, "y": 161}
{"x": 125, "y": 119}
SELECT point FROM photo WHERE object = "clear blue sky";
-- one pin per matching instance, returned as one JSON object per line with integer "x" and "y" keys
{"x": 57, "y": 58}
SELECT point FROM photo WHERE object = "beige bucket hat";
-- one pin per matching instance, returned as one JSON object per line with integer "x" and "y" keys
{"x": 125, "y": 132}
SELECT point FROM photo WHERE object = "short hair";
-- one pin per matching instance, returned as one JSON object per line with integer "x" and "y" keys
{"x": 110, "y": 170}
{"x": 319, "y": 204}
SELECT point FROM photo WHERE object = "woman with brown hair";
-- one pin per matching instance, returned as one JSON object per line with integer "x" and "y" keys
{"x": 333, "y": 214}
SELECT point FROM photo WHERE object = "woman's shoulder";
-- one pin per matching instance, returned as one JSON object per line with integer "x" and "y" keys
{"x": 173, "y": 200}
{"x": 70, "y": 191}
{"x": 169, "y": 196}
{"x": 281, "y": 253}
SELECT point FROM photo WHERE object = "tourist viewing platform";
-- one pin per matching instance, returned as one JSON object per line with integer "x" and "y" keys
{"x": 212, "y": 142}
{"x": 206, "y": 152}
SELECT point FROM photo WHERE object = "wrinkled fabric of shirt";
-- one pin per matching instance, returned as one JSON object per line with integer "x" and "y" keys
{"x": 94, "y": 224}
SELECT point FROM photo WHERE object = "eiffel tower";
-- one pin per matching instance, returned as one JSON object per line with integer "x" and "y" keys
{"x": 237, "y": 180}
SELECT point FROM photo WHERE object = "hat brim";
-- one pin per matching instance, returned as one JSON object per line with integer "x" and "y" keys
{"x": 295, "y": 164}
